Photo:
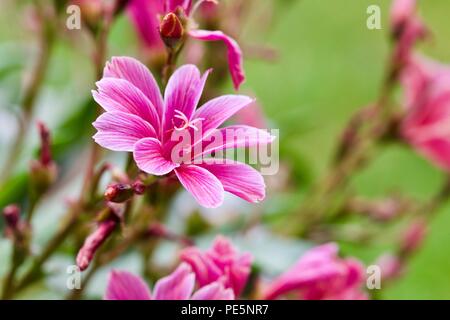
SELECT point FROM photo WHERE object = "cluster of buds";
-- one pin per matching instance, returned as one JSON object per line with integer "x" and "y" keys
{"x": 43, "y": 170}
{"x": 122, "y": 192}
{"x": 109, "y": 219}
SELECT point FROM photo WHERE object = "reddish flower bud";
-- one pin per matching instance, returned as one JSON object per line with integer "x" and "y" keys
{"x": 119, "y": 193}
{"x": 171, "y": 30}
{"x": 43, "y": 170}
{"x": 413, "y": 237}
{"x": 11, "y": 214}
{"x": 93, "y": 242}
{"x": 391, "y": 266}
{"x": 45, "y": 152}
{"x": 139, "y": 187}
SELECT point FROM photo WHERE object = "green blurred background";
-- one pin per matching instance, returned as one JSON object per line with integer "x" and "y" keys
{"x": 329, "y": 65}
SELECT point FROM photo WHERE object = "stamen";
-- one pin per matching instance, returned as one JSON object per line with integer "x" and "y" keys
{"x": 186, "y": 123}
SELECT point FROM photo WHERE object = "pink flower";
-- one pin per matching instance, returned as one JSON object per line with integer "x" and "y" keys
{"x": 222, "y": 263}
{"x": 179, "y": 285}
{"x": 139, "y": 120}
{"x": 407, "y": 28}
{"x": 146, "y": 18}
{"x": 427, "y": 102}
{"x": 321, "y": 275}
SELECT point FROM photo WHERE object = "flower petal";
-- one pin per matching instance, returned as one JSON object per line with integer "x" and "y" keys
{"x": 132, "y": 70}
{"x": 176, "y": 286}
{"x": 237, "y": 178}
{"x": 120, "y": 95}
{"x": 214, "y": 291}
{"x": 182, "y": 93}
{"x": 237, "y": 136}
{"x": 202, "y": 184}
{"x": 149, "y": 157}
{"x": 123, "y": 285}
{"x": 217, "y": 111}
{"x": 143, "y": 14}
{"x": 119, "y": 131}
{"x": 235, "y": 56}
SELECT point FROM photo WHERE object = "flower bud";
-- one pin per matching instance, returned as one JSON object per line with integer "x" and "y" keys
{"x": 43, "y": 170}
{"x": 139, "y": 187}
{"x": 11, "y": 214}
{"x": 171, "y": 30}
{"x": 94, "y": 241}
{"x": 119, "y": 192}
{"x": 413, "y": 237}
{"x": 391, "y": 266}
{"x": 402, "y": 11}
{"x": 91, "y": 10}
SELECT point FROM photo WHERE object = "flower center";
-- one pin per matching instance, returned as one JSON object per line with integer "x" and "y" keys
{"x": 186, "y": 123}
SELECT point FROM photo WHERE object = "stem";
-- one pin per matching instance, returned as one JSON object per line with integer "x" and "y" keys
{"x": 104, "y": 259}
{"x": 326, "y": 198}
{"x": 8, "y": 286}
{"x": 427, "y": 211}
{"x": 31, "y": 92}
{"x": 170, "y": 66}
{"x": 33, "y": 273}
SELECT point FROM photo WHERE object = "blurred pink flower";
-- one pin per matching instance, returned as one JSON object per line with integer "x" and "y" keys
{"x": 321, "y": 275}
{"x": 146, "y": 17}
{"x": 179, "y": 285}
{"x": 427, "y": 101}
{"x": 391, "y": 266}
{"x": 407, "y": 28}
{"x": 221, "y": 263}
{"x": 138, "y": 120}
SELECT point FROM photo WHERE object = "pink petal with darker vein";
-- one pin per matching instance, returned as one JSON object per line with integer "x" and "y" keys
{"x": 176, "y": 286}
{"x": 120, "y": 95}
{"x": 202, "y": 185}
{"x": 123, "y": 285}
{"x": 235, "y": 56}
{"x": 132, "y": 70}
{"x": 119, "y": 131}
{"x": 149, "y": 157}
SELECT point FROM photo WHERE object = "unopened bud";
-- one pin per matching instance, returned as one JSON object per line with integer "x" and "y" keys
{"x": 91, "y": 10}
{"x": 402, "y": 11}
{"x": 171, "y": 30}
{"x": 43, "y": 171}
{"x": 93, "y": 242}
{"x": 45, "y": 152}
{"x": 413, "y": 237}
{"x": 139, "y": 187}
{"x": 390, "y": 265}
{"x": 11, "y": 214}
{"x": 119, "y": 192}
